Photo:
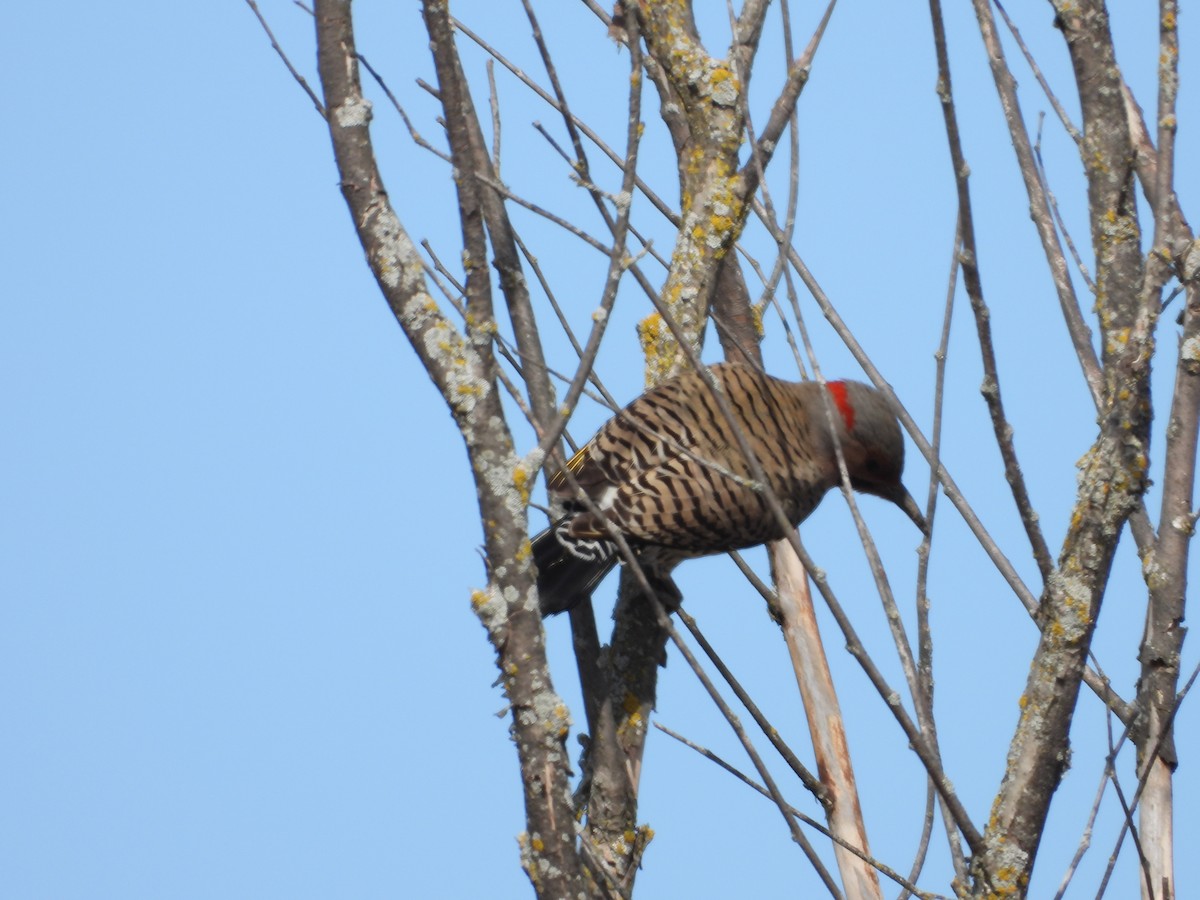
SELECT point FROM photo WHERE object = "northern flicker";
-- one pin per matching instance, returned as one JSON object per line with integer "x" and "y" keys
{"x": 667, "y": 473}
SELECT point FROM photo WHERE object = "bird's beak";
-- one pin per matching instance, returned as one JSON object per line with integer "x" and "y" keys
{"x": 903, "y": 499}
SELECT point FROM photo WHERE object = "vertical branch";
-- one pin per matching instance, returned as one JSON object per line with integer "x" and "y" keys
{"x": 482, "y": 204}
{"x": 1112, "y": 473}
{"x": 924, "y": 631}
{"x": 824, "y": 715}
{"x": 1165, "y": 568}
{"x": 974, "y": 286}
{"x": 459, "y": 112}
{"x": 464, "y": 371}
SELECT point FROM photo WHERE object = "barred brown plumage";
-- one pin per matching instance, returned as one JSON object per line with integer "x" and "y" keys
{"x": 667, "y": 473}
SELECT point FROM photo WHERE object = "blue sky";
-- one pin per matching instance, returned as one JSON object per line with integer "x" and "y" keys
{"x": 237, "y": 657}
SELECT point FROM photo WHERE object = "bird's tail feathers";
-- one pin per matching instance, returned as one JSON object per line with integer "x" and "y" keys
{"x": 565, "y": 576}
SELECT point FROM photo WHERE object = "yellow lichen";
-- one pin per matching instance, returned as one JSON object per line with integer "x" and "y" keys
{"x": 658, "y": 347}
{"x": 521, "y": 481}
{"x": 757, "y": 310}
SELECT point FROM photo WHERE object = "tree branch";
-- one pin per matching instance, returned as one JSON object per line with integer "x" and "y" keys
{"x": 1112, "y": 473}
{"x": 462, "y": 368}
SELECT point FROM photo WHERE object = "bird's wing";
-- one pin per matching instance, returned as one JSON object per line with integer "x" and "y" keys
{"x": 584, "y": 471}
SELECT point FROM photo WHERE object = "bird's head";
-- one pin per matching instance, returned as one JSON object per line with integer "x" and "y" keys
{"x": 872, "y": 444}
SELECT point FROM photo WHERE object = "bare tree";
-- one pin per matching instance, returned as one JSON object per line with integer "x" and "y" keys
{"x": 496, "y": 368}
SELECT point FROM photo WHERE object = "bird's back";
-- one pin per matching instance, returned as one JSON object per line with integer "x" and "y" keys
{"x": 669, "y": 471}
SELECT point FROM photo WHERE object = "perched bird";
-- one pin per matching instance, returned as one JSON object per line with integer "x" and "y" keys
{"x": 667, "y": 474}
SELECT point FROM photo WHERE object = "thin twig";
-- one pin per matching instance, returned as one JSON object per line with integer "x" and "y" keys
{"x": 757, "y": 583}
{"x": 320, "y": 107}
{"x": 1053, "y": 201}
{"x": 593, "y": 242}
{"x": 1081, "y": 334}
{"x": 595, "y": 190}
{"x": 494, "y": 105}
{"x": 973, "y": 282}
{"x": 617, "y": 263}
{"x": 931, "y": 808}
{"x": 892, "y": 613}
{"x": 797, "y": 77}
{"x": 1108, "y": 774}
{"x": 658, "y": 203}
{"x": 634, "y": 269}
{"x": 812, "y": 823}
{"x": 1146, "y": 766}
{"x": 810, "y": 781}
{"x": 779, "y": 267}
{"x": 924, "y": 631}
{"x": 1128, "y": 823}
{"x": 1041, "y": 79}
{"x": 412, "y": 131}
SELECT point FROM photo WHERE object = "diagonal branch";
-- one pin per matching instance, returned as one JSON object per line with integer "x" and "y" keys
{"x": 1039, "y": 203}
{"x": 300, "y": 79}
{"x": 1081, "y": 335}
{"x": 797, "y": 77}
{"x": 908, "y": 884}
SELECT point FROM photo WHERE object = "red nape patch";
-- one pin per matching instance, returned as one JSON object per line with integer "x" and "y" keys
{"x": 837, "y": 390}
